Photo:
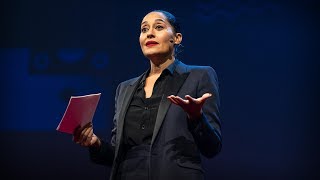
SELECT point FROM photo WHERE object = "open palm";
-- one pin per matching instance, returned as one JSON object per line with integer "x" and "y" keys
{"x": 192, "y": 106}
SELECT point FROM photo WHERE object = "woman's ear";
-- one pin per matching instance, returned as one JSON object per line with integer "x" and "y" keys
{"x": 177, "y": 38}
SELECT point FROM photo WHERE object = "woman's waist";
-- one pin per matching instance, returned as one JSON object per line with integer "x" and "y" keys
{"x": 137, "y": 151}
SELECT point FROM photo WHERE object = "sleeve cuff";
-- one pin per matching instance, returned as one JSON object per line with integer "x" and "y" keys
{"x": 95, "y": 150}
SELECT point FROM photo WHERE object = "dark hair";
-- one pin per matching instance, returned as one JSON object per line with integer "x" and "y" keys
{"x": 172, "y": 20}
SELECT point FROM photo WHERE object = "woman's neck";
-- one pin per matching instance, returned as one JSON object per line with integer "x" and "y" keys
{"x": 158, "y": 66}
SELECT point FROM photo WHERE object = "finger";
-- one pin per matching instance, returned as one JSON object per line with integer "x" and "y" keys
{"x": 80, "y": 140}
{"x": 181, "y": 101}
{"x": 191, "y": 99}
{"x": 173, "y": 101}
{"x": 87, "y": 142}
{"x": 94, "y": 139}
{"x": 204, "y": 97}
{"x": 89, "y": 129}
{"x": 90, "y": 136}
{"x": 87, "y": 134}
{"x": 90, "y": 133}
{"x": 84, "y": 134}
{"x": 78, "y": 130}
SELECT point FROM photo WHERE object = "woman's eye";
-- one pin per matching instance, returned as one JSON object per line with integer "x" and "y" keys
{"x": 159, "y": 27}
{"x": 144, "y": 30}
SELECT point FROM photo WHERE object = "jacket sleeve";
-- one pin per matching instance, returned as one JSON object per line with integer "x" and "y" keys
{"x": 207, "y": 130}
{"x": 104, "y": 155}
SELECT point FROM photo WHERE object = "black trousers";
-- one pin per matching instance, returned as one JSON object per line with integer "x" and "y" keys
{"x": 135, "y": 165}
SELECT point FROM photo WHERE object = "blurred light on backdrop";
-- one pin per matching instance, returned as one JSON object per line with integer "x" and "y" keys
{"x": 99, "y": 60}
{"x": 71, "y": 61}
{"x": 41, "y": 61}
{"x": 71, "y": 55}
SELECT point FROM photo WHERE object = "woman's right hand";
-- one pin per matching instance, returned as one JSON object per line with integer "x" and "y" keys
{"x": 85, "y": 136}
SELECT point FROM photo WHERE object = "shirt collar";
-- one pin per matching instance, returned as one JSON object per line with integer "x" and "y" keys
{"x": 169, "y": 69}
{"x": 172, "y": 67}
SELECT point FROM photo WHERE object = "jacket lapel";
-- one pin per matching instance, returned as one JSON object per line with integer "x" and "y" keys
{"x": 172, "y": 88}
{"x": 128, "y": 94}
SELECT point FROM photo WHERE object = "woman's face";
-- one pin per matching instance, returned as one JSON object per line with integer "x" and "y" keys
{"x": 157, "y": 37}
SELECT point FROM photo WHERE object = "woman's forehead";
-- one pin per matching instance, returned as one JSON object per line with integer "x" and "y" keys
{"x": 154, "y": 16}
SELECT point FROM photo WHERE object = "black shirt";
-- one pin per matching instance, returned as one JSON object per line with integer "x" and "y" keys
{"x": 142, "y": 112}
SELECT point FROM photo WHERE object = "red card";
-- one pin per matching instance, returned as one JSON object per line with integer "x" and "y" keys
{"x": 80, "y": 111}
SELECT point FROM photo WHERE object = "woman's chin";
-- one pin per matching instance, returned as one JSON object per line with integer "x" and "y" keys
{"x": 153, "y": 55}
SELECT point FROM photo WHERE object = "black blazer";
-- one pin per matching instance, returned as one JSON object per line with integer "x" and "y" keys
{"x": 176, "y": 144}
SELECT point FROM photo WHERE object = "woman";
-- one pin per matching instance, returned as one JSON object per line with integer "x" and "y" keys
{"x": 158, "y": 134}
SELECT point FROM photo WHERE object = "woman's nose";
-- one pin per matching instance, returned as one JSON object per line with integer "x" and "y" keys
{"x": 150, "y": 33}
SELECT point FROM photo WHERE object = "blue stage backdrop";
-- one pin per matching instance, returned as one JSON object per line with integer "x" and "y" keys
{"x": 263, "y": 53}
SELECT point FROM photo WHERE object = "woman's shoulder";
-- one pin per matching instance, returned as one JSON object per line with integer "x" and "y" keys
{"x": 201, "y": 70}
{"x": 129, "y": 81}
{"x": 197, "y": 68}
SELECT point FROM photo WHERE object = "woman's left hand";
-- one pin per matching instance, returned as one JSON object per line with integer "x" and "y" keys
{"x": 192, "y": 106}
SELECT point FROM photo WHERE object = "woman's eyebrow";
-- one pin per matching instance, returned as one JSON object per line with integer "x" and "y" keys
{"x": 144, "y": 22}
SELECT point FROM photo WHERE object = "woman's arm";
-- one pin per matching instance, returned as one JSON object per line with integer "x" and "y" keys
{"x": 203, "y": 113}
{"x": 104, "y": 154}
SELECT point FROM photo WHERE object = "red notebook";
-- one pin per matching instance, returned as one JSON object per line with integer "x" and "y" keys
{"x": 80, "y": 111}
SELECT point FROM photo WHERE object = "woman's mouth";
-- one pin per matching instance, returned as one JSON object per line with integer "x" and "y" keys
{"x": 151, "y": 43}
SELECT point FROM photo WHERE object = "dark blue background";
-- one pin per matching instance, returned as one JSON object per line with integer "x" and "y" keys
{"x": 264, "y": 52}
